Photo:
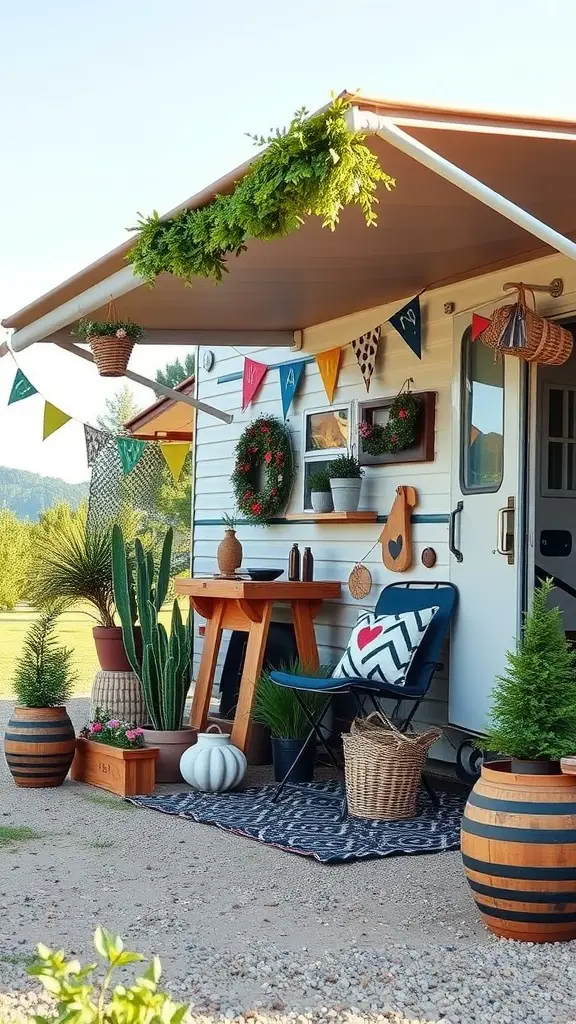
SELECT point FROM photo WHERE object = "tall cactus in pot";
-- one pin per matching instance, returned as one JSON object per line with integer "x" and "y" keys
{"x": 164, "y": 666}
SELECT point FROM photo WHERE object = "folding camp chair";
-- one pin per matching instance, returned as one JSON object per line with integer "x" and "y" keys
{"x": 394, "y": 599}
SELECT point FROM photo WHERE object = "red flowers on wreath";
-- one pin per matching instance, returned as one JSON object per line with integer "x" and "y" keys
{"x": 268, "y": 457}
{"x": 264, "y": 429}
{"x": 402, "y": 414}
{"x": 279, "y": 458}
{"x": 257, "y": 508}
{"x": 245, "y": 467}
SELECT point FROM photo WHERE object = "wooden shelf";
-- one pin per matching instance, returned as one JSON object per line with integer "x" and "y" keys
{"x": 334, "y": 517}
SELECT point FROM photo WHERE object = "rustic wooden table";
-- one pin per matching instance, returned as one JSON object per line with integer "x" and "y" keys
{"x": 247, "y": 606}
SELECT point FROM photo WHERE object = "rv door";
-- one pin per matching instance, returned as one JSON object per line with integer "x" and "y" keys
{"x": 485, "y": 522}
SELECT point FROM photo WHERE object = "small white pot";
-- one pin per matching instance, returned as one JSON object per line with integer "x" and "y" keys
{"x": 213, "y": 765}
{"x": 346, "y": 494}
{"x": 321, "y": 501}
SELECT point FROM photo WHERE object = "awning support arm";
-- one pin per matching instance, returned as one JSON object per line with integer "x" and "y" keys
{"x": 361, "y": 120}
{"x": 160, "y": 389}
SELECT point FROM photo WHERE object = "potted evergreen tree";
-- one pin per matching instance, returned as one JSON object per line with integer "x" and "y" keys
{"x": 39, "y": 742}
{"x": 345, "y": 474}
{"x": 518, "y": 826}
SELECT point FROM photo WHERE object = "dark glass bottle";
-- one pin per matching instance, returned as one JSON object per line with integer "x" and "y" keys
{"x": 307, "y": 566}
{"x": 294, "y": 564}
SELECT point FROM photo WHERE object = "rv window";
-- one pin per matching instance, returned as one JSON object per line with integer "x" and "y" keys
{"x": 482, "y": 417}
{"x": 559, "y": 442}
{"x": 327, "y": 433}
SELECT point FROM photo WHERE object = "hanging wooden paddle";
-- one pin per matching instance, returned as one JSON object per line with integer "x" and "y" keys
{"x": 396, "y": 536}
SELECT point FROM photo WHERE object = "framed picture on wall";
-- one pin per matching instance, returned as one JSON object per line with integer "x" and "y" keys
{"x": 376, "y": 412}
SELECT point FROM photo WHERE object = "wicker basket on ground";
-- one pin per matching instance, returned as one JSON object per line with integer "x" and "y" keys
{"x": 383, "y": 768}
{"x": 547, "y": 343}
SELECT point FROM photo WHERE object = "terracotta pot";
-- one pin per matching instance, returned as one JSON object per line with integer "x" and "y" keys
{"x": 120, "y": 771}
{"x": 39, "y": 745}
{"x": 519, "y": 860}
{"x": 171, "y": 744}
{"x": 229, "y": 553}
{"x": 110, "y": 648}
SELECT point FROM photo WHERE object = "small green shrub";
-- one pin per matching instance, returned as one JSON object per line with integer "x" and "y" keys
{"x": 345, "y": 467}
{"x": 43, "y": 677}
{"x": 83, "y": 998}
{"x": 319, "y": 481}
{"x": 277, "y": 708}
{"x": 108, "y": 329}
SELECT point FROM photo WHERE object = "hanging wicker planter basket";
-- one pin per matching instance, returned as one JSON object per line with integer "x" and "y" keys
{"x": 518, "y": 330}
{"x": 111, "y": 341}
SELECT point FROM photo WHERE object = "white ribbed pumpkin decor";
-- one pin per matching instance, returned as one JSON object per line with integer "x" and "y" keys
{"x": 213, "y": 765}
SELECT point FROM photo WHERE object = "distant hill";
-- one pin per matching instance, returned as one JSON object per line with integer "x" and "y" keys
{"x": 29, "y": 494}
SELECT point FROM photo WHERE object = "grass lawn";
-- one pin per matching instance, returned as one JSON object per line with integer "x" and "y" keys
{"x": 74, "y": 631}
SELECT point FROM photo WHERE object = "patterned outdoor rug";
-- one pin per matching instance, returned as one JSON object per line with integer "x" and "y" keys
{"x": 307, "y": 821}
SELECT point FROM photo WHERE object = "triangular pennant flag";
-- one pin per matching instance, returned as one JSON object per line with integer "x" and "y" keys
{"x": 328, "y": 364}
{"x": 479, "y": 324}
{"x": 21, "y": 388}
{"x": 53, "y": 419}
{"x": 408, "y": 323}
{"x": 130, "y": 451}
{"x": 365, "y": 349}
{"x": 254, "y": 374}
{"x": 290, "y": 374}
{"x": 175, "y": 455}
{"x": 96, "y": 441}
{"x": 4, "y": 350}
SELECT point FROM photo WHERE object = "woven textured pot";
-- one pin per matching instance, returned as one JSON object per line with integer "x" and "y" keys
{"x": 547, "y": 343}
{"x": 39, "y": 745}
{"x": 119, "y": 693}
{"x": 111, "y": 354}
{"x": 229, "y": 554}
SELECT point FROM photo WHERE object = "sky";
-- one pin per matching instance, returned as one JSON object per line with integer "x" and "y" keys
{"x": 123, "y": 106}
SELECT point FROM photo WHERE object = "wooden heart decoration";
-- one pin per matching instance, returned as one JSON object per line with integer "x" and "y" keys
{"x": 367, "y": 635}
{"x": 396, "y": 538}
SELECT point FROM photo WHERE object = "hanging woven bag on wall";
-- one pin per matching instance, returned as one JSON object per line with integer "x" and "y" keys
{"x": 383, "y": 768}
{"x": 518, "y": 330}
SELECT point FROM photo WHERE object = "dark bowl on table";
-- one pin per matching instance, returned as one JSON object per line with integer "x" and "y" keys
{"x": 264, "y": 575}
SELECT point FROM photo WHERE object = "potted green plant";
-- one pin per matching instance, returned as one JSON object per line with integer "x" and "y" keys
{"x": 111, "y": 341}
{"x": 163, "y": 665}
{"x": 320, "y": 493}
{"x": 507, "y": 830}
{"x": 229, "y": 553}
{"x": 345, "y": 474}
{"x": 76, "y": 566}
{"x": 39, "y": 741}
{"x": 277, "y": 708}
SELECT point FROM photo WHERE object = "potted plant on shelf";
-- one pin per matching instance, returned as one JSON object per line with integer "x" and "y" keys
{"x": 320, "y": 493}
{"x": 277, "y": 708}
{"x": 39, "y": 741}
{"x": 345, "y": 474}
{"x": 111, "y": 754}
{"x": 111, "y": 342}
{"x": 507, "y": 831}
{"x": 229, "y": 552}
{"x": 163, "y": 665}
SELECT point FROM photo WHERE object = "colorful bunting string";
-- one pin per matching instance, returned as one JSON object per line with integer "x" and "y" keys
{"x": 365, "y": 349}
{"x": 253, "y": 376}
{"x": 53, "y": 419}
{"x": 290, "y": 374}
{"x": 175, "y": 456}
{"x": 479, "y": 324}
{"x": 328, "y": 364}
{"x": 21, "y": 388}
{"x": 408, "y": 322}
{"x": 130, "y": 450}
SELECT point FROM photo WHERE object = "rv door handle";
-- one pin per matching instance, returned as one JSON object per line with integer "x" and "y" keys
{"x": 505, "y": 533}
{"x": 452, "y": 532}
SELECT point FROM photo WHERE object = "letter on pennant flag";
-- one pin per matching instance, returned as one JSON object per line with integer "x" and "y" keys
{"x": 479, "y": 324}
{"x": 96, "y": 441}
{"x": 53, "y": 419}
{"x": 175, "y": 456}
{"x": 329, "y": 367}
{"x": 290, "y": 374}
{"x": 130, "y": 451}
{"x": 408, "y": 323}
{"x": 254, "y": 374}
{"x": 21, "y": 388}
{"x": 365, "y": 349}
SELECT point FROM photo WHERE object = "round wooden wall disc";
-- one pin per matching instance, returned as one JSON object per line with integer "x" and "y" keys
{"x": 359, "y": 582}
{"x": 428, "y": 558}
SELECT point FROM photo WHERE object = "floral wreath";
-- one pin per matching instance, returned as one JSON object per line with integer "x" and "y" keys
{"x": 401, "y": 430}
{"x": 264, "y": 444}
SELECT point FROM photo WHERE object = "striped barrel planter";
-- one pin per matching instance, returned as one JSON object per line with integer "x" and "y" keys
{"x": 39, "y": 745}
{"x": 519, "y": 852}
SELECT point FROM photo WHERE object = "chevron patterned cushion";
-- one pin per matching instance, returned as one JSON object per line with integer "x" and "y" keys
{"x": 381, "y": 649}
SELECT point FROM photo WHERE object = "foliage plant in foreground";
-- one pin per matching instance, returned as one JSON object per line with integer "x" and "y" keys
{"x": 105, "y": 728}
{"x": 315, "y": 167}
{"x": 43, "y": 676}
{"x": 83, "y": 997}
{"x": 534, "y": 702}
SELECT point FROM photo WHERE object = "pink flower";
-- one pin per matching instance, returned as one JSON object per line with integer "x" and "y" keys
{"x": 130, "y": 734}
{"x": 95, "y": 727}
{"x": 402, "y": 414}
{"x": 139, "y": 731}
{"x": 121, "y": 333}
{"x": 112, "y": 724}
{"x": 365, "y": 429}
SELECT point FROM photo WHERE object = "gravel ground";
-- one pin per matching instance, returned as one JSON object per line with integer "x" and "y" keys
{"x": 248, "y": 932}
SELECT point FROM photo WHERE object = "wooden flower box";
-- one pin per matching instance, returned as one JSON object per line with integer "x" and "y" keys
{"x": 124, "y": 772}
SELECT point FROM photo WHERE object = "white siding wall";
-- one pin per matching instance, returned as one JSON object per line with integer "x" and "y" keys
{"x": 336, "y": 547}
